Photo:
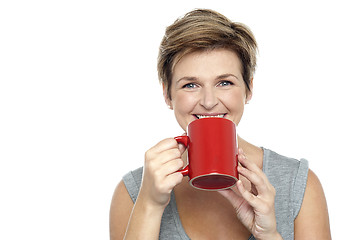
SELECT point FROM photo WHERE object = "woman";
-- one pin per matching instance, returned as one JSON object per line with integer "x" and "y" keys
{"x": 206, "y": 65}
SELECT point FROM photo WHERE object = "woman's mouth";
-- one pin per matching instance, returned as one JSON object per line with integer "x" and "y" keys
{"x": 200, "y": 116}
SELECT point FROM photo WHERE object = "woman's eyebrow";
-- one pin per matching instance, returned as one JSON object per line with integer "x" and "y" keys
{"x": 226, "y": 76}
{"x": 186, "y": 79}
{"x": 222, "y": 76}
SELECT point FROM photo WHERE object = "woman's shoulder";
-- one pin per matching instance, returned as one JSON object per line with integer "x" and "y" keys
{"x": 134, "y": 175}
{"x": 288, "y": 176}
{"x": 313, "y": 214}
{"x": 280, "y": 165}
{"x": 132, "y": 181}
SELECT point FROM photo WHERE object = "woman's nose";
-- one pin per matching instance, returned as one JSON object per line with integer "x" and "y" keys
{"x": 208, "y": 98}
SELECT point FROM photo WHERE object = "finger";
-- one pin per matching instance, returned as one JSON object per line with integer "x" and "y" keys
{"x": 256, "y": 180}
{"x": 250, "y": 198}
{"x": 155, "y": 165}
{"x": 171, "y": 167}
{"x": 164, "y": 145}
{"x": 167, "y": 183}
{"x": 169, "y": 155}
{"x": 181, "y": 148}
{"x": 254, "y": 174}
{"x": 231, "y": 196}
{"x": 225, "y": 193}
{"x": 173, "y": 180}
{"x": 262, "y": 202}
{"x": 174, "y": 166}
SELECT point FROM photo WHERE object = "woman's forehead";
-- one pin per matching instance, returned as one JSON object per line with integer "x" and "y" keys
{"x": 216, "y": 62}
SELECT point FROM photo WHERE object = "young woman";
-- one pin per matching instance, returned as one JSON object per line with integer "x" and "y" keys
{"x": 206, "y": 65}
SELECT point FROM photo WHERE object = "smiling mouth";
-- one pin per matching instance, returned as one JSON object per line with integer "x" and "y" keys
{"x": 209, "y": 116}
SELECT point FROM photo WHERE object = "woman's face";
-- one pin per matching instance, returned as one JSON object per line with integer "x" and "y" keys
{"x": 208, "y": 84}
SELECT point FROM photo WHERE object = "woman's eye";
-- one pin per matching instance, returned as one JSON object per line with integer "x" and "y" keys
{"x": 189, "y": 85}
{"x": 225, "y": 83}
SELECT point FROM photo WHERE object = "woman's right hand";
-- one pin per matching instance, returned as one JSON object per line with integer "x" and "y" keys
{"x": 160, "y": 174}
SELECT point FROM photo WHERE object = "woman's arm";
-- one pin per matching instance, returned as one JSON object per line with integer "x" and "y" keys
{"x": 160, "y": 176}
{"x": 312, "y": 221}
{"x": 136, "y": 220}
{"x": 120, "y": 211}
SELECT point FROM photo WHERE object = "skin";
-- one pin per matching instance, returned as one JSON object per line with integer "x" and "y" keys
{"x": 210, "y": 83}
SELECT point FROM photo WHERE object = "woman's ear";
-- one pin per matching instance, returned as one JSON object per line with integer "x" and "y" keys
{"x": 167, "y": 99}
{"x": 249, "y": 92}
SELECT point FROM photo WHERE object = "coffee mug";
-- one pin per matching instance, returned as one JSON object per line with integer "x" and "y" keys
{"x": 212, "y": 153}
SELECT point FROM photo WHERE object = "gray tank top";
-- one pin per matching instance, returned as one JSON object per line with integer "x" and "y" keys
{"x": 287, "y": 175}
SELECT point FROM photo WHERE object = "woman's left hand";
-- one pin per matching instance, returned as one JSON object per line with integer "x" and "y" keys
{"x": 255, "y": 207}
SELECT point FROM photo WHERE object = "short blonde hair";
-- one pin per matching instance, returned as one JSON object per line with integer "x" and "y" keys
{"x": 202, "y": 30}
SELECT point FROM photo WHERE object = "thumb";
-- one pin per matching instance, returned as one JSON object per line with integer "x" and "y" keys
{"x": 182, "y": 148}
{"x": 230, "y": 195}
{"x": 235, "y": 199}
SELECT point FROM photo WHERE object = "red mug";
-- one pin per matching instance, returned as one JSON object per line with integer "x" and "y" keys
{"x": 212, "y": 153}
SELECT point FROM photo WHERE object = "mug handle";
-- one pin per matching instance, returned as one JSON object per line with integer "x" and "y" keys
{"x": 185, "y": 141}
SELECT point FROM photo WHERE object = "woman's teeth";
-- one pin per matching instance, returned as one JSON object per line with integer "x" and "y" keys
{"x": 214, "y": 116}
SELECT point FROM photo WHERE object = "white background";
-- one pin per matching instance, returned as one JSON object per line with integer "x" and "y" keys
{"x": 80, "y": 103}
